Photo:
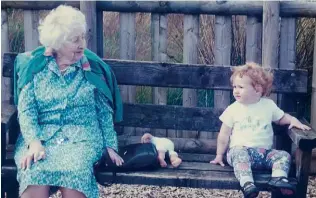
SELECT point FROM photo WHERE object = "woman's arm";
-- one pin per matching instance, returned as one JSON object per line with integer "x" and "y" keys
{"x": 105, "y": 118}
{"x": 28, "y": 114}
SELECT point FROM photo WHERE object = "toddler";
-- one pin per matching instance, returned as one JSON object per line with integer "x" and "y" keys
{"x": 247, "y": 129}
{"x": 163, "y": 145}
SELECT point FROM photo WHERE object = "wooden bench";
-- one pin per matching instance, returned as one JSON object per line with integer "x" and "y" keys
{"x": 195, "y": 171}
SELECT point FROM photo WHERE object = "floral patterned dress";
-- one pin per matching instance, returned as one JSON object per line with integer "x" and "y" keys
{"x": 74, "y": 122}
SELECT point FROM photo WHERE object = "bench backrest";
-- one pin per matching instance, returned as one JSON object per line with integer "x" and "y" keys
{"x": 155, "y": 74}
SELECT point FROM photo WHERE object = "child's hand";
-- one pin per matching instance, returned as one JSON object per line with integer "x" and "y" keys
{"x": 35, "y": 153}
{"x": 218, "y": 160}
{"x": 296, "y": 123}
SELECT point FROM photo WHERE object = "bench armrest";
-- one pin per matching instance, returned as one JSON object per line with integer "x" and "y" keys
{"x": 8, "y": 119}
{"x": 305, "y": 140}
{"x": 8, "y": 115}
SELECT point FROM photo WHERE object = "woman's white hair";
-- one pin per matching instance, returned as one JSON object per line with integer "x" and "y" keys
{"x": 60, "y": 25}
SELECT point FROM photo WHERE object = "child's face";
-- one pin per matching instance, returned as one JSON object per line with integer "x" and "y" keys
{"x": 244, "y": 92}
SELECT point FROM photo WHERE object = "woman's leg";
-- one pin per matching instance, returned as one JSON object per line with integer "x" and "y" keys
{"x": 70, "y": 193}
{"x": 36, "y": 192}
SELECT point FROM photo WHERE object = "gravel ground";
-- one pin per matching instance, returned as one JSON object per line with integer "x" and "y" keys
{"x": 143, "y": 191}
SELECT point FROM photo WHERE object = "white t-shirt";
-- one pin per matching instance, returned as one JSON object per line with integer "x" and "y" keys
{"x": 252, "y": 124}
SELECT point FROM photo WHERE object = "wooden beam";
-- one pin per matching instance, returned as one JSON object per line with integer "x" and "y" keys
{"x": 31, "y": 36}
{"x": 171, "y": 117}
{"x": 88, "y": 8}
{"x": 159, "y": 54}
{"x": 191, "y": 26}
{"x": 223, "y": 47}
{"x": 313, "y": 106}
{"x": 215, "y": 77}
{"x": 5, "y": 82}
{"x": 128, "y": 52}
{"x": 254, "y": 40}
{"x": 250, "y": 8}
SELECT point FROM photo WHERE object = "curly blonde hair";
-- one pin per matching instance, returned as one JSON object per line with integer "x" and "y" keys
{"x": 260, "y": 76}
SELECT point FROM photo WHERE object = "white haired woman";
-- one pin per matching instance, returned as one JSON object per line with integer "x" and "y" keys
{"x": 67, "y": 100}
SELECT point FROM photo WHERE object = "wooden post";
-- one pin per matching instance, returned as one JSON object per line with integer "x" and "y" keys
{"x": 223, "y": 46}
{"x": 287, "y": 102}
{"x": 159, "y": 53}
{"x": 89, "y": 10}
{"x": 99, "y": 26}
{"x": 270, "y": 42}
{"x": 127, "y": 52}
{"x": 303, "y": 161}
{"x": 270, "y": 37}
{"x": 253, "y": 40}
{"x": 5, "y": 82}
{"x": 313, "y": 105}
{"x": 31, "y": 36}
{"x": 191, "y": 27}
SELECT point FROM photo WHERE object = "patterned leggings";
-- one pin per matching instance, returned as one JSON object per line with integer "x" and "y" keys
{"x": 243, "y": 159}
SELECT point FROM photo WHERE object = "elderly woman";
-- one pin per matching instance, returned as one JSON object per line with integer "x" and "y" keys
{"x": 67, "y": 102}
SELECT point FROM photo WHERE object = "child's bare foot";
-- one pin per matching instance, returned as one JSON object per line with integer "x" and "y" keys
{"x": 175, "y": 161}
{"x": 162, "y": 162}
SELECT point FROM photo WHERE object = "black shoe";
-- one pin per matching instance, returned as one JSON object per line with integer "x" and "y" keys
{"x": 281, "y": 185}
{"x": 250, "y": 190}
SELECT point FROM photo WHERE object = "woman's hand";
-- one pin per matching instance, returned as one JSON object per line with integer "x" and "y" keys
{"x": 115, "y": 157}
{"x": 35, "y": 153}
{"x": 218, "y": 160}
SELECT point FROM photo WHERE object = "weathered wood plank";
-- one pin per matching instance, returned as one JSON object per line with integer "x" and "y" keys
{"x": 270, "y": 37}
{"x": 303, "y": 162}
{"x": 223, "y": 46}
{"x": 8, "y": 114}
{"x": 190, "y": 56}
{"x": 184, "y": 76}
{"x": 288, "y": 9}
{"x": 31, "y": 36}
{"x": 159, "y": 54}
{"x": 88, "y": 8}
{"x": 305, "y": 140}
{"x": 182, "y": 178}
{"x": 254, "y": 40}
{"x": 171, "y": 117}
{"x": 5, "y": 82}
{"x": 99, "y": 33}
{"x": 128, "y": 52}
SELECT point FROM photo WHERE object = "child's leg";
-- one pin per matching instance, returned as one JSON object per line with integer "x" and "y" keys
{"x": 239, "y": 159}
{"x": 161, "y": 158}
{"x": 279, "y": 161}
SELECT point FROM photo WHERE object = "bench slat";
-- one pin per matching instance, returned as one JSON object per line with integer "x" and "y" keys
{"x": 171, "y": 117}
{"x": 184, "y": 75}
{"x": 182, "y": 178}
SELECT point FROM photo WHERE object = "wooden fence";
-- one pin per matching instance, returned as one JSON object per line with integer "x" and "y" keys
{"x": 270, "y": 38}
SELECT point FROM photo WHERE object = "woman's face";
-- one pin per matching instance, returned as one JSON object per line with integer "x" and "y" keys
{"x": 72, "y": 50}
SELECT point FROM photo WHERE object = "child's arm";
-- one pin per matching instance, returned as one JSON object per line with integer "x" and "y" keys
{"x": 292, "y": 121}
{"x": 222, "y": 144}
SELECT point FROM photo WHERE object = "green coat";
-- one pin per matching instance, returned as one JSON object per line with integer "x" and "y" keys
{"x": 27, "y": 65}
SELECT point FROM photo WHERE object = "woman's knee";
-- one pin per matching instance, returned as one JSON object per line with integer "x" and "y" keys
{"x": 70, "y": 193}
{"x": 36, "y": 191}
